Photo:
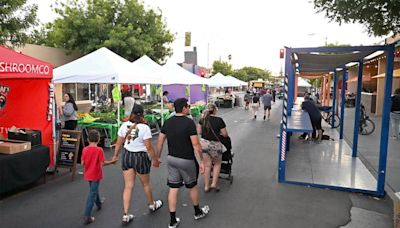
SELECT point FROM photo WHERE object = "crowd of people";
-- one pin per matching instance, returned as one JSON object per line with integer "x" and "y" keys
{"x": 191, "y": 150}
{"x": 188, "y": 155}
{"x": 254, "y": 99}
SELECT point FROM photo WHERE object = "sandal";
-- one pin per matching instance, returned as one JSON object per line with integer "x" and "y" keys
{"x": 216, "y": 189}
{"x": 156, "y": 205}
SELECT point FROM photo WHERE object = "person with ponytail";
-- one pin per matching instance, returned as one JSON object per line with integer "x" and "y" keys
{"x": 68, "y": 112}
{"x": 212, "y": 128}
{"x": 134, "y": 136}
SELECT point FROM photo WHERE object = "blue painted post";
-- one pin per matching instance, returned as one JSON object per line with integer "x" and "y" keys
{"x": 335, "y": 84}
{"x": 344, "y": 78}
{"x": 385, "y": 120}
{"x": 358, "y": 107}
{"x": 283, "y": 134}
{"x": 289, "y": 71}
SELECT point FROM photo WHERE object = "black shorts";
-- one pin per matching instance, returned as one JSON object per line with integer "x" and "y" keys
{"x": 138, "y": 161}
{"x": 267, "y": 107}
{"x": 316, "y": 123}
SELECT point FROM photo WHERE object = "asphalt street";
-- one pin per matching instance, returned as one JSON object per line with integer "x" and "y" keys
{"x": 255, "y": 199}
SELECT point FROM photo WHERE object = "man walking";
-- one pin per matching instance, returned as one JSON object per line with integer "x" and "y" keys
{"x": 266, "y": 100}
{"x": 183, "y": 150}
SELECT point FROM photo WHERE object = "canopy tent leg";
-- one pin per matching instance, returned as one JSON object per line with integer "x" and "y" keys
{"x": 357, "y": 112}
{"x": 385, "y": 119}
{"x": 335, "y": 84}
{"x": 344, "y": 76}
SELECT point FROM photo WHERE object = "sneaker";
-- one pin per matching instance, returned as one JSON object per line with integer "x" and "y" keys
{"x": 176, "y": 224}
{"x": 127, "y": 218}
{"x": 264, "y": 117}
{"x": 156, "y": 205}
{"x": 88, "y": 220}
{"x": 204, "y": 212}
{"x": 255, "y": 117}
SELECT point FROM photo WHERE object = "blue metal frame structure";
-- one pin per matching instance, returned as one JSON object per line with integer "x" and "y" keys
{"x": 289, "y": 93}
{"x": 342, "y": 101}
{"x": 335, "y": 84}
{"x": 357, "y": 112}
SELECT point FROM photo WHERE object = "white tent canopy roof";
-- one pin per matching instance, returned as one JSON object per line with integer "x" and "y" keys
{"x": 219, "y": 80}
{"x": 178, "y": 75}
{"x": 100, "y": 66}
{"x": 303, "y": 83}
{"x": 240, "y": 82}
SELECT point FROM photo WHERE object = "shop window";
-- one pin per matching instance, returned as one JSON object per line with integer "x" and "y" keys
{"x": 69, "y": 88}
{"x": 82, "y": 92}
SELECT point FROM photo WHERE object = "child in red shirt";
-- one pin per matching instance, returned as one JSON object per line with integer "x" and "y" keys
{"x": 93, "y": 161}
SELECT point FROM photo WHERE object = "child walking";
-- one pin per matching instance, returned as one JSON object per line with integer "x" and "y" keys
{"x": 92, "y": 161}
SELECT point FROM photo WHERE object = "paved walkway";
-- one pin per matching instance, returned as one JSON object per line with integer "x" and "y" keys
{"x": 369, "y": 149}
{"x": 255, "y": 199}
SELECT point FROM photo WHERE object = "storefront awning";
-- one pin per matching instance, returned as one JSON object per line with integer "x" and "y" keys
{"x": 396, "y": 74}
{"x": 365, "y": 78}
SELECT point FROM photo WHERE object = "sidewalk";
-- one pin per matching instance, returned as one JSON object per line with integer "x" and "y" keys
{"x": 255, "y": 199}
{"x": 368, "y": 148}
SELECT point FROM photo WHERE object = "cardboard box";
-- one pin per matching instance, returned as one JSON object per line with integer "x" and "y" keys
{"x": 13, "y": 146}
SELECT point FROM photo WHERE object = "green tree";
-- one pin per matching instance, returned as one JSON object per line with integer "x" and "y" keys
{"x": 252, "y": 73}
{"x": 16, "y": 17}
{"x": 123, "y": 26}
{"x": 379, "y": 17}
{"x": 222, "y": 67}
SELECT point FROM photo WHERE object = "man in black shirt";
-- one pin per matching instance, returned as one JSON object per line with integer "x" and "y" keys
{"x": 395, "y": 114}
{"x": 183, "y": 150}
{"x": 315, "y": 115}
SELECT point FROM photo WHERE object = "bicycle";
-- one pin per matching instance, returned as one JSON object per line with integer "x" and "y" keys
{"x": 367, "y": 126}
{"x": 328, "y": 116}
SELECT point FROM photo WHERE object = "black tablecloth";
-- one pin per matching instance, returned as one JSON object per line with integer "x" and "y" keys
{"x": 20, "y": 169}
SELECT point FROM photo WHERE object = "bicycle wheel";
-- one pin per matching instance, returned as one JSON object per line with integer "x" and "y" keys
{"x": 367, "y": 127}
{"x": 337, "y": 121}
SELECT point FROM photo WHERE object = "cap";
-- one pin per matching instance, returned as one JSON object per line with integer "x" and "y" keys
{"x": 137, "y": 109}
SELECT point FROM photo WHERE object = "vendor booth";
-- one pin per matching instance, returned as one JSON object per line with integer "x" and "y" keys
{"x": 26, "y": 99}
{"x": 330, "y": 164}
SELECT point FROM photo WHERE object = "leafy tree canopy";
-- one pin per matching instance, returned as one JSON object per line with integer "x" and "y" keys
{"x": 123, "y": 26}
{"x": 16, "y": 17}
{"x": 380, "y": 18}
{"x": 222, "y": 67}
{"x": 252, "y": 73}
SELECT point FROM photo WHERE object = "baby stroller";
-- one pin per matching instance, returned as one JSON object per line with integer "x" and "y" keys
{"x": 227, "y": 160}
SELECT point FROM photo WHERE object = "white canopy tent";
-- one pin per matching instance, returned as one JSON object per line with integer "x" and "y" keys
{"x": 102, "y": 66}
{"x": 182, "y": 76}
{"x": 219, "y": 80}
{"x": 235, "y": 80}
{"x": 303, "y": 83}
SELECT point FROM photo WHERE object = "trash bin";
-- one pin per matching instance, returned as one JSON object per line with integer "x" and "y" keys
{"x": 227, "y": 104}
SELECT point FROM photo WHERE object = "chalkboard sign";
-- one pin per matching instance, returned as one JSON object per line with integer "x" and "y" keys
{"x": 68, "y": 149}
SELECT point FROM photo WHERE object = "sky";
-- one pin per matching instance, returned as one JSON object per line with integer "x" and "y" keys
{"x": 251, "y": 31}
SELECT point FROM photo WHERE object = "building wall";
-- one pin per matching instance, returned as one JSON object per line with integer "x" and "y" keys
{"x": 56, "y": 56}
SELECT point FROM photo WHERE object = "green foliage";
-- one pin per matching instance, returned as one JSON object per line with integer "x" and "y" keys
{"x": 252, "y": 73}
{"x": 16, "y": 17}
{"x": 379, "y": 17}
{"x": 316, "y": 82}
{"x": 123, "y": 26}
{"x": 222, "y": 67}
